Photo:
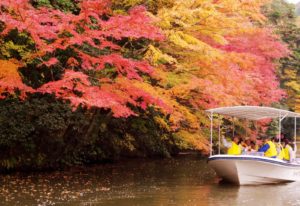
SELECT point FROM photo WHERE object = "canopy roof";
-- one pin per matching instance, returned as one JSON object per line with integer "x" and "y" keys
{"x": 253, "y": 112}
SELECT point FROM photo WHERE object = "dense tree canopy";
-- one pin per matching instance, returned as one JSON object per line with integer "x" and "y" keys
{"x": 217, "y": 55}
{"x": 90, "y": 37}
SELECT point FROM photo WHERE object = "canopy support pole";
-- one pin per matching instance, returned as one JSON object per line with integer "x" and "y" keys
{"x": 247, "y": 125}
{"x": 279, "y": 125}
{"x": 233, "y": 127}
{"x": 211, "y": 131}
{"x": 279, "y": 128}
{"x": 219, "y": 137}
{"x": 255, "y": 125}
{"x": 295, "y": 135}
{"x": 283, "y": 117}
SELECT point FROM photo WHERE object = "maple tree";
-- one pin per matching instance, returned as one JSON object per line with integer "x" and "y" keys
{"x": 92, "y": 36}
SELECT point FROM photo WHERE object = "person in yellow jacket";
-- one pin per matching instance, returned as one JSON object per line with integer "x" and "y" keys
{"x": 234, "y": 148}
{"x": 288, "y": 152}
{"x": 268, "y": 148}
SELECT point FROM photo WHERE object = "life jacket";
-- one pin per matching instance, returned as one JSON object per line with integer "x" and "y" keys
{"x": 287, "y": 152}
{"x": 271, "y": 152}
{"x": 280, "y": 151}
{"x": 234, "y": 149}
{"x": 256, "y": 147}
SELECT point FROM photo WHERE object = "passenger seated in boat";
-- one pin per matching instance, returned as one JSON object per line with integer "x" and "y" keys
{"x": 254, "y": 144}
{"x": 279, "y": 148}
{"x": 234, "y": 148}
{"x": 268, "y": 148}
{"x": 288, "y": 152}
{"x": 244, "y": 142}
{"x": 254, "y": 147}
{"x": 247, "y": 147}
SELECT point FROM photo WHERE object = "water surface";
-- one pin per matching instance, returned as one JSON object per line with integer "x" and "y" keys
{"x": 180, "y": 181}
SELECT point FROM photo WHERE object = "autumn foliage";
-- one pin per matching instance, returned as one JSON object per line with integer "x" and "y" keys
{"x": 11, "y": 80}
{"x": 53, "y": 30}
{"x": 184, "y": 57}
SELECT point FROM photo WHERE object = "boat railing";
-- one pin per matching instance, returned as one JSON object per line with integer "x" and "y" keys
{"x": 260, "y": 154}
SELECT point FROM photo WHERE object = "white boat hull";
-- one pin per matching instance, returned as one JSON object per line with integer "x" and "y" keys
{"x": 253, "y": 170}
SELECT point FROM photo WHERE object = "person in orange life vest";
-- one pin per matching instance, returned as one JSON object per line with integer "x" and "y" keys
{"x": 233, "y": 147}
{"x": 268, "y": 148}
{"x": 288, "y": 152}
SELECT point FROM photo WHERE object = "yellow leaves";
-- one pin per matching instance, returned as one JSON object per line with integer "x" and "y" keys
{"x": 183, "y": 116}
{"x": 183, "y": 90}
{"x": 180, "y": 113}
{"x": 297, "y": 105}
{"x": 121, "y": 4}
{"x": 218, "y": 38}
{"x": 187, "y": 41}
{"x": 174, "y": 79}
{"x": 151, "y": 5}
{"x": 243, "y": 9}
{"x": 290, "y": 74}
{"x": 192, "y": 140}
{"x": 9, "y": 46}
{"x": 127, "y": 3}
{"x": 129, "y": 142}
{"x": 20, "y": 46}
{"x": 162, "y": 123}
{"x": 293, "y": 85}
{"x": 252, "y": 9}
{"x": 156, "y": 57}
{"x": 196, "y": 17}
{"x": 186, "y": 14}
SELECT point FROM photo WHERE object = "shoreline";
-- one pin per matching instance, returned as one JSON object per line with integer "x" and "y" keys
{"x": 194, "y": 155}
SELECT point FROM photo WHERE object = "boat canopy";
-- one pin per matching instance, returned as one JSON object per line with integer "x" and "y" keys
{"x": 253, "y": 112}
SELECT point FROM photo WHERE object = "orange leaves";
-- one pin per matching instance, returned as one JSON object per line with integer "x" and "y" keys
{"x": 10, "y": 79}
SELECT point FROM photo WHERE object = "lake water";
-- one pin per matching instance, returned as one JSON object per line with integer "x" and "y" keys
{"x": 182, "y": 181}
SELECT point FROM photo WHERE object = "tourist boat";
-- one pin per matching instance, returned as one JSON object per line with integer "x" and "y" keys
{"x": 253, "y": 168}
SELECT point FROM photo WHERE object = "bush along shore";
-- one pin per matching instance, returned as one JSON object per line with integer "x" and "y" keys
{"x": 44, "y": 133}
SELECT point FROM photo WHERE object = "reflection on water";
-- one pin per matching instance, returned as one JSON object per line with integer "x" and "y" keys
{"x": 273, "y": 195}
{"x": 182, "y": 181}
